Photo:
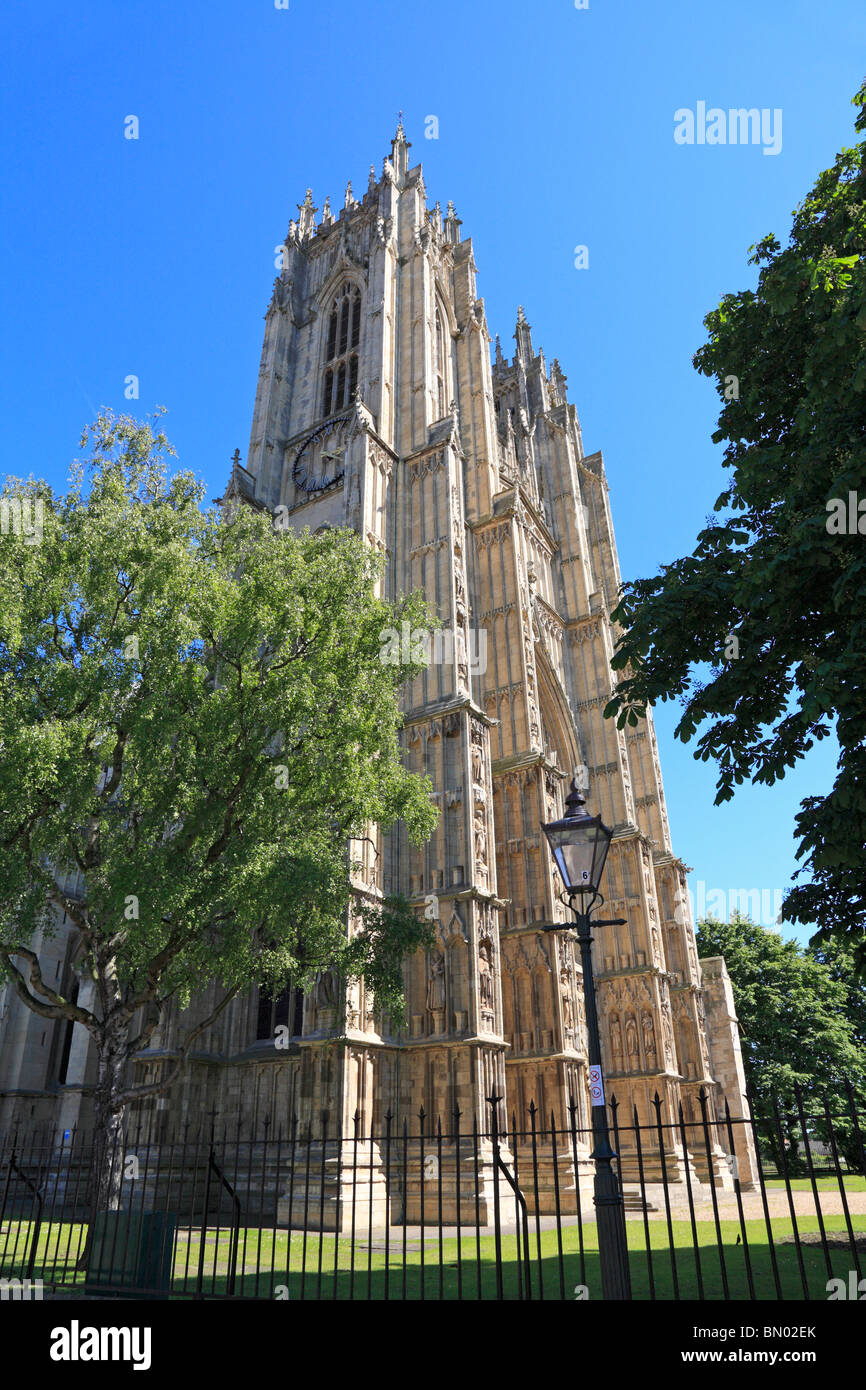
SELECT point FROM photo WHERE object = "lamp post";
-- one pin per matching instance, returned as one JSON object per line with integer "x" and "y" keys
{"x": 579, "y": 844}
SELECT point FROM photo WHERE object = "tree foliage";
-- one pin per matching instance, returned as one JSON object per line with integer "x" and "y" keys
{"x": 801, "y": 1012}
{"x": 770, "y": 603}
{"x": 197, "y": 728}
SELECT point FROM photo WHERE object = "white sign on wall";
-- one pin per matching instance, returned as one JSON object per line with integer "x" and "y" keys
{"x": 596, "y": 1087}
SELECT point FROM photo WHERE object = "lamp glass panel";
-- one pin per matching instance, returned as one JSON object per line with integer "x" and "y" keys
{"x": 579, "y": 852}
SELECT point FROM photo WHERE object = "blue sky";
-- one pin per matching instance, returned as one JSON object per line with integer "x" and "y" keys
{"x": 155, "y": 257}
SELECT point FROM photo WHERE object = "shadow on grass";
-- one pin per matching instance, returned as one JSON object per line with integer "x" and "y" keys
{"x": 277, "y": 1265}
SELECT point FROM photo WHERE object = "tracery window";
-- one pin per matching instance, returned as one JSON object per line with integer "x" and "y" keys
{"x": 341, "y": 356}
{"x": 439, "y": 365}
{"x": 276, "y": 1010}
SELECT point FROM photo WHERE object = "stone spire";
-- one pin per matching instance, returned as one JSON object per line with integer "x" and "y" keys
{"x": 400, "y": 147}
{"x": 452, "y": 222}
{"x": 558, "y": 382}
{"x": 523, "y": 336}
{"x": 307, "y": 216}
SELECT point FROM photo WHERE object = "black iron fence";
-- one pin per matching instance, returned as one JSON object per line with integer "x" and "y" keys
{"x": 767, "y": 1204}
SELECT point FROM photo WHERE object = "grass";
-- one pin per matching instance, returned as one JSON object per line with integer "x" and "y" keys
{"x": 850, "y": 1181}
{"x": 314, "y": 1266}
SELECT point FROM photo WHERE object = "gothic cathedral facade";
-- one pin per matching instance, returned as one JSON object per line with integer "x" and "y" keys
{"x": 380, "y": 407}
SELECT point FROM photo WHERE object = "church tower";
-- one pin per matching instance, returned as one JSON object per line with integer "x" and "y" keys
{"x": 378, "y": 408}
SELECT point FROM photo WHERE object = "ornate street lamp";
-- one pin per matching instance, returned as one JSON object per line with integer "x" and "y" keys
{"x": 579, "y": 844}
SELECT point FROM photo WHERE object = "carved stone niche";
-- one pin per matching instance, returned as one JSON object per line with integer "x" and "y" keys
{"x": 566, "y": 989}
{"x": 486, "y": 982}
{"x": 436, "y": 990}
{"x": 480, "y": 841}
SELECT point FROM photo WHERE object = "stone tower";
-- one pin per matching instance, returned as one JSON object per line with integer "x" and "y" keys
{"x": 378, "y": 407}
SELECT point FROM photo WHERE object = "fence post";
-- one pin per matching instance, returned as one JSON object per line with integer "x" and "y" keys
{"x": 493, "y": 1102}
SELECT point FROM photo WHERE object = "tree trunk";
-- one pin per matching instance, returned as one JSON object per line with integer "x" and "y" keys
{"x": 108, "y": 1119}
{"x": 106, "y": 1172}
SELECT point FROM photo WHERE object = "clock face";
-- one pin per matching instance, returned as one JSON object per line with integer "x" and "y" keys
{"x": 320, "y": 460}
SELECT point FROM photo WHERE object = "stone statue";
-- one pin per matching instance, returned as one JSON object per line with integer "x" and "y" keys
{"x": 657, "y": 950}
{"x": 477, "y": 764}
{"x": 436, "y": 983}
{"x": 485, "y": 976}
{"x": 460, "y": 653}
{"x": 616, "y": 1039}
{"x": 631, "y": 1036}
{"x": 325, "y": 989}
{"x": 567, "y": 1003}
{"x": 649, "y": 1039}
{"x": 480, "y": 838}
{"x": 667, "y": 1030}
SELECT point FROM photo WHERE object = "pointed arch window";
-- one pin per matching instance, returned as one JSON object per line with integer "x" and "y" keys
{"x": 440, "y": 369}
{"x": 279, "y": 1010}
{"x": 341, "y": 354}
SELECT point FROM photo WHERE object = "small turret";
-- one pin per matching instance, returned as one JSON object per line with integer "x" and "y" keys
{"x": 400, "y": 147}
{"x": 523, "y": 337}
{"x": 558, "y": 383}
{"x": 307, "y": 216}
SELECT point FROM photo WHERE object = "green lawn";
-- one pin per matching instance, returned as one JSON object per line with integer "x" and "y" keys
{"x": 306, "y": 1266}
{"x": 850, "y": 1181}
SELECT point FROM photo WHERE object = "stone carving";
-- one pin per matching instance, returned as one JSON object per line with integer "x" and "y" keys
{"x": 567, "y": 1000}
{"x": 282, "y": 294}
{"x": 480, "y": 840}
{"x": 532, "y": 585}
{"x": 616, "y": 1041}
{"x": 436, "y": 983}
{"x": 649, "y": 1038}
{"x": 657, "y": 950}
{"x": 485, "y": 976}
{"x": 631, "y": 1042}
{"x": 667, "y": 1030}
{"x": 550, "y": 781}
{"x": 459, "y": 577}
{"x": 460, "y": 653}
{"x": 325, "y": 989}
{"x": 477, "y": 764}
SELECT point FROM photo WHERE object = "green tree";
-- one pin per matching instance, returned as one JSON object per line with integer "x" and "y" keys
{"x": 195, "y": 727}
{"x": 801, "y": 1015}
{"x": 769, "y": 607}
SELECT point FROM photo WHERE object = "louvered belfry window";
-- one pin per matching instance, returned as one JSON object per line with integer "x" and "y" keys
{"x": 341, "y": 356}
